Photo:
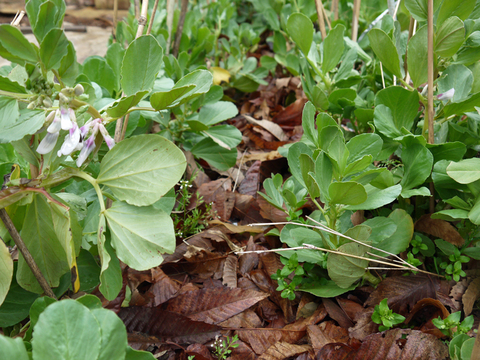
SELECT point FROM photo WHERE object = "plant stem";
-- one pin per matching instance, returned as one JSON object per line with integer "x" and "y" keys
{"x": 142, "y": 19}
{"x": 26, "y": 253}
{"x": 181, "y": 22}
{"x": 356, "y": 14}
{"x": 115, "y": 19}
{"x": 431, "y": 111}
{"x": 93, "y": 181}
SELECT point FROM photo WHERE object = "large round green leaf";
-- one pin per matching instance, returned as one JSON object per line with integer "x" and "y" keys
{"x": 345, "y": 270}
{"x": 66, "y": 330}
{"x": 140, "y": 234}
{"x": 114, "y": 335}
{"x": 465, "y": 171}
{"x": 12, "y": 348}
{"x": 141, "y": 169}
{"x": 347, "y": 192}
{"x": 6, "y": 269}
{"x": 300, "y": 29}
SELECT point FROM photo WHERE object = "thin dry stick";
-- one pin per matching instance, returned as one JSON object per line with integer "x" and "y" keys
{"x": 18, "y": 17}
{"x": 411, "y": 31}
{"x": 115, "y": 19}
{"x": 431, "y": 111}
{"x": 170, "y": 11}
{"x": 312, "y": 247}
{"x": 356, "y": 15}
{"x": 326, "y": 18}
{"x": 383, "y": 76}
{"x": 181, "y": 22}
{"x": 154, "y": 11}
{"x": 26, "y": 253}
{"x": 321, "y": 20}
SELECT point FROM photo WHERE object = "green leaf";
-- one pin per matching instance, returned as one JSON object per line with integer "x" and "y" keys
{"x": 347, "y": 192}
{"x": 45, "y": 20}
{"x": 417, "y": 161}
{"x": 300, "y": 29}
{"x": 422, "y": 191}
{"x": 419, "y": 8}
{"x": 364, "y": 144}
{"x": 358, "y": 165}
{"x": 113, "y": 335}
{"x": 114, "y": 58}
{"x": 13, "y": 348}
{"x": 400, "y": 239}
{"x": 402, "y": 103}
{"x": 13, "y": 129}
{"x": 295, "y": 236}
{"x": 212, "y": 114}
{"x": 98, "y": 71}
{"x": 376, "y": 198}
{"x": 110, "y": 274}
{"x": 165, "y": 99}
{"x": 64, "y": 330}
{"x": 138, "y": 354}
{"x": 458, "y": 77}
{"x": 140, "y": 234}
{"x": 121, "y": 106}
{"x": 44, "y": 245}
{"x": 88, "y": 271}
{"x": 308, "y": 123}
{"x": 17, "y": 303}
{"x": 450, "y": 8}
{"x": 464, "y": 106}
{"x": 382, "y": 228}
{"x": 323, "y": 174}
{"x": 141, "y": 169}
{"x": 417, "y": 59}
{"x": 68, "y": 69}
{"x": 6, "y": 269}
{"x": 345, "y": 271}
{"x": 13, "y": 41}
{"x": 141, "y": 64}
{"x": 333, "y": 47}
{"x": 327, "y": 289}
{"x": 202, "y": 79}
{"x": 228, "y": 134}
{"x": 385, "y": 50}
{"x": 450, "y": 37}
{"x": 217, "y": 156}
{"x": 474, "y": 214}
{"x": 450, "y": 215}
{"x": 466, "y": 171}
{"x": 294, "y": 153}
{"x": 9, "y": 85}
{"x": 53, "y": 49}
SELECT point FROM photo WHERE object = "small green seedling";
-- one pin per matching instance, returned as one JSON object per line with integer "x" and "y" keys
{"x": 383, "y": 315}
{"x": 224, "y": 348}
{"x": 448, "y": 325}
{"x": 453, "y": 268}
{"x": 291, "y": 265}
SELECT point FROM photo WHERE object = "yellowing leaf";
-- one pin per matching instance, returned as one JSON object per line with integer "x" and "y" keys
{"x": 220, "y": 75}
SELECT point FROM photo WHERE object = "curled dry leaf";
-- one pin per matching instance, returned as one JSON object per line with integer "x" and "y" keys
{"x": 230, "y": 271}
{"x": 337, "y": 314}
{"x": 163, "y": 288}
{"x": 214, "y": 305}
{"x": 403, "y": 292}
{"x": 456, "y": 294}
{"x": 439, "y": 228}
{"x": 351, "y": 308}
{"x": 246, "y": 319}
{"x": 238, "y": 229}
{"x": 270, "y": 126}
{"x": 472, "y": 294}
{"x": 204, "y": 263}
{"x": 247, "y": 262}
{"x": 424, "y": 311}
{"x": 242, "y": 352}
{"x": 325, "y": 333}
{"x": 283, "y": 350}
{"x": 251, "y": 183}
{"x": 364, "y": 326}
{"x": 261, "y": 156}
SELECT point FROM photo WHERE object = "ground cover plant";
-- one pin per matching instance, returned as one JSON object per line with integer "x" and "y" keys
{"x": 274, "y": 179}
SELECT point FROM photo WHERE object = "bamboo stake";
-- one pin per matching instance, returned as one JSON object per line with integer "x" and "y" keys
{"x": 154, "y": 11}
{"x": 335, "y": 9}
{"x": 181, "y": 23}
{"x": 356, "y": 14}
{"x": 26, "y": 253}
{"x": 115, "y": 19}
{"x": 411, "y": 31}
{"x": 142, "y": 20}
{"x": 170, "y": 11}
{"x": 321, "y": 20}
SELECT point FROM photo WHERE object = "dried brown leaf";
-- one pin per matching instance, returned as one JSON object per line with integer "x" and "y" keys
{"x": 291, "y": 115}
{"x": 270, "y": 126}
{"x": 325, "y": 333}
{"x": 351, "y": 308}
{"x": 246, "y": 319}
{"x": 197, "y": 240}
{"x": 200, "y": 352}
{"x": 270, "y": 212}
{"x": 163, "y": 288}
{"x": 230, "y": 271}
{"x": 242, "y": 352}
{"x": 364, "y": 326}
{"x": 391, "y": 345}
{"x": 439, "y": 228}
{"x": 404, "y": 292}
{"x": 472, "y": 294}
{"x": 424, "y": 312}
{"x": 167, "y": 326}
{"x": 247, "y": 262}
{"x": 456, "y": 294}
{"x": 283, "y": 350}
{"x": 214, "y": 305}
{"x": 251, "y": 184}
{"x": 337, "y": 314}
{"x": 336, "y": 351}
{"x": 262, "y": 156}
{"x": 204, "y": 263}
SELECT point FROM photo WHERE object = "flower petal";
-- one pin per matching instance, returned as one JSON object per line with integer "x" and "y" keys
{"x": 87, "y": 149}
{"x": 48, "y": 143}
{"x": 67, "y": 123}
{"x": 447, "y": 95}
{"x": 71, "y": 142}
